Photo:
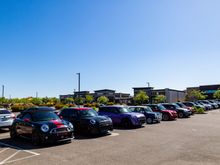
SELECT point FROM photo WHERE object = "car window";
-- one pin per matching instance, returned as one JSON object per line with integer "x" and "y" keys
{"x": 132, "y": 109}
{"x": 64, "y": 112}
{"x": 26, "y": 116}
{"x": 72, "y": 112}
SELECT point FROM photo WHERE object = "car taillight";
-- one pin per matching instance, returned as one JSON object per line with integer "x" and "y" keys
{"x": 13, "y": 116}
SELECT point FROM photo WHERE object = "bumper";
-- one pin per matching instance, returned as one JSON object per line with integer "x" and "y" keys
{"x": 57, "y": 137}
{"x": 100, "y": 129}
{"x": 140, "y": 121}
{"x": 6, "y": 124}
{"x": 173, "y": 116}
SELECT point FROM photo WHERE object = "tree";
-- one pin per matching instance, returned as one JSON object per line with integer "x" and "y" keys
{"x": 69, "y": 100}
{"x": 141, "y": 97}
{"x": 217, "y": 94}
{"x": 160, "y": 99}
{"x": 102, "y": 100}
{"x": 36, "y": 101}
{"x": 79, "y": 100}
{"x": 89, "y": 98}
{"x": 195, "y": 95}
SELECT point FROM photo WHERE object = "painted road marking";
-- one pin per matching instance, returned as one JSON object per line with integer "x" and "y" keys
{"x": 114, "y": 134}
{"x": 18, "y": 150}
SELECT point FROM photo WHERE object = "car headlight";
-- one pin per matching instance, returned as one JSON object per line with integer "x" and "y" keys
{"x": 92, "y": 121}
{"x": 44, "y": 128}
{"x": 70, "y": 125}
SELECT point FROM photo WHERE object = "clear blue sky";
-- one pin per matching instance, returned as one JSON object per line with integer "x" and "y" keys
{"x": 114, "y": 44}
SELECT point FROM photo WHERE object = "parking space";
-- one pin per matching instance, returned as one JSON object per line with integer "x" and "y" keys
{"x": 194, "y": 140}
{"x": 13, "y": 154}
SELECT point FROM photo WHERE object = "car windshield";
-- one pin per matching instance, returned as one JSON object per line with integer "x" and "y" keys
{"x": 88, "y": 113}
{"x": 4, "y": 112}
{"x": 148, "y": 109}
{"x": 124, "y": 110}
{"x": 182, "y": 105}
{"x": 161, "y": 107}
{"x": 176, "y": 105}
{"x": 44, "y": 116}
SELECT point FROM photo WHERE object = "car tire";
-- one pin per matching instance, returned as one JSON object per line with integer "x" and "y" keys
{"x": 126, "y": 123}
{"x": 166, "y": 117}
{"x": 35, "y": 138}
{"x": 149, "y": 120}
{"x": 13, "y": 134}
{"x": 180, "y": 115}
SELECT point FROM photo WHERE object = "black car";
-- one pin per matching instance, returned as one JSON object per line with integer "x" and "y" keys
{"x": 87, "y": 120}
{"x": 151, "y": 117}
{"x": 41, "y": 125}
{"x": 182, "y": 112}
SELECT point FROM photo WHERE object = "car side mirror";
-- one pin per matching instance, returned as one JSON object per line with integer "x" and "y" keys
{"x": 27, "y": 120}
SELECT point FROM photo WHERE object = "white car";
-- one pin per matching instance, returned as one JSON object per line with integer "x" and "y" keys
{"x": 6, "y": 118}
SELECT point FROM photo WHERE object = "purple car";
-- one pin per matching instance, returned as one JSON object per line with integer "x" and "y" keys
{"x": 122, "y": 116}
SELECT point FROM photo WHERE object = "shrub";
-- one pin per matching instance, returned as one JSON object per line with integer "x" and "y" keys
{"x": 199, "y": 110}
{"x": 59, "y": 106}
{"x": 20, "y": 107}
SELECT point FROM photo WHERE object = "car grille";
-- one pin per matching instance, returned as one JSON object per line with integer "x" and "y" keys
{"x": 142, "y": 120}
{"x": 104, "y": 123}
{"x": 60, "y": 130}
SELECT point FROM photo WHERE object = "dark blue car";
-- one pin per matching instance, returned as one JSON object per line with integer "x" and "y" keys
{"x": 151, "y": 117}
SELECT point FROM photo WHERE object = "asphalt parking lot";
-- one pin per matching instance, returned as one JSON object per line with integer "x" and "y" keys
{"x": 195, "y": 140}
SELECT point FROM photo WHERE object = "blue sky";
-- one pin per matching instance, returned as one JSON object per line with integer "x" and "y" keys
{"x": 114, "y": 44}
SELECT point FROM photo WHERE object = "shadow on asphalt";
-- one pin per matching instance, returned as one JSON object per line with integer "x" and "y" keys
{"x": 80, "y": 136}
{"x": 25, "y": 144}
{"x": 4, "y": 130}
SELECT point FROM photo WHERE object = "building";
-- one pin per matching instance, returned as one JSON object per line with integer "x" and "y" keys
{"x": 208, "y": 90}
{"x": 110, "y": 94}
{"x": 113, "y": 96}
{"x": 171, "y": 95}
{"x": 63, "y": 97}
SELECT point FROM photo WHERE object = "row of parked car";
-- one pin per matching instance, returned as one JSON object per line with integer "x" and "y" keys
{"x": 44, "y": 124}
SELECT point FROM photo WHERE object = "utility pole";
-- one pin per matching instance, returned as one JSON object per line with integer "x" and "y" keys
{"x": 3, "y": 91}
{"x": 148, "y": 84}
{"x": 36, "y": 94}
{"x": 78, "y": 81}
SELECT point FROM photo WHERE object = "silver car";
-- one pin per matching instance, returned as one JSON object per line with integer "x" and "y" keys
{"x": 6, "y": 118}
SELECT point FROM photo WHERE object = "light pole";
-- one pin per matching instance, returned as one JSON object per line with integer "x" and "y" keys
{"x": 3, "y": 91}
{"x": 78, "y": 82}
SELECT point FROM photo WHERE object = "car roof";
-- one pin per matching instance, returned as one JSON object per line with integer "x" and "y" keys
{"x": 79, "y": 109}
{"x": 107, "y": 106}
{"x": 37, "y": 109}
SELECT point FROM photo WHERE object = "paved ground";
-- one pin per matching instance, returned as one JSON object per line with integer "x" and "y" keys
{"x": 195, "y": 141}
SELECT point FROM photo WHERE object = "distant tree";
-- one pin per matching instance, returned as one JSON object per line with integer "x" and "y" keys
{"x": 160, "y": 99}
{"x": 89, "y": 98}
{"x": 69, "y": 100}
{"x": 36, "y": 101}
{"x": 195, "y": 95}
{"x": 217, "y": 94}
{"x": 141, "y": 97}
{"x": 79, "y": 100}
{"x": 102, "y": 100}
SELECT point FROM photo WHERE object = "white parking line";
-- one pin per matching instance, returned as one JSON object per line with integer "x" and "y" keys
{"x": 114, "y": 134}
{"x": 4, "y": 150}
{"x": 7, "y": 160}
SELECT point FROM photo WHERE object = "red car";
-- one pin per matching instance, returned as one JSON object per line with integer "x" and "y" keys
{"x": 166, "y": 114}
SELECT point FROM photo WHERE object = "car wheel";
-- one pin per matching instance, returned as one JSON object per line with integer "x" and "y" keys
{"x": 13, "y": 134}
{"x": 149, "y": 120}
{"x": 180, "y": 115}
{"x": 165, "y": 117}
{"x": 35, "y": 138}
{"x": 126, "y": 123}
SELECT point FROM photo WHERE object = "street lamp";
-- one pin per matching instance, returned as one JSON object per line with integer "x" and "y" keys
{"x": 3, "y": 91}
{"x": 78, "y": 81}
